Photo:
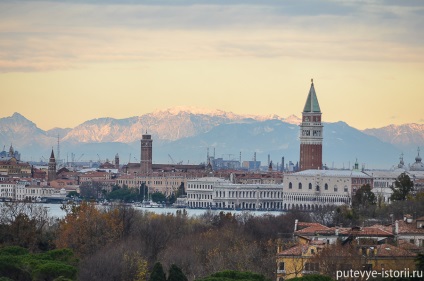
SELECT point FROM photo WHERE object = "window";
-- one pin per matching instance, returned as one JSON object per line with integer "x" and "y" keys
{"x": 326, "y": 186}
{"x": 300, "y": 185}
{"x": 310, "y": 185}
{"x": 290, "y": 185}
{"x": 335, "y": 189}
{"x": 281, "y": 266}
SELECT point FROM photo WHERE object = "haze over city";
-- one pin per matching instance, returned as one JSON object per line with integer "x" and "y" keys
{"x": 63, "y": 63}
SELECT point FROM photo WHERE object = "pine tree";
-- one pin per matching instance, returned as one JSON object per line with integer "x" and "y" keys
{"x": 176, "y": 274}
{"x": 157, "y": 273}
{"x": 402, "y": 187}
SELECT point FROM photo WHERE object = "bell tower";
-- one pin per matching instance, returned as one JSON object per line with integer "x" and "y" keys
{"x": 311, "y": 136}
{"x": 51, "y": 172}
{"x": 146, "y": 154}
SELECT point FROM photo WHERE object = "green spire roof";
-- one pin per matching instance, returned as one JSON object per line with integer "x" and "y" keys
{"x": 312, "y": 104}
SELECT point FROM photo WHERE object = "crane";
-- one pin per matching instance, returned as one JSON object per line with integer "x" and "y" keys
{"x": 79, "y": 158}
{"x": 172, "y": 160}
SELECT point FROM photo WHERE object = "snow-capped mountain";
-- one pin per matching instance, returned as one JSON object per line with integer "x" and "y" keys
{"x": 186, "y": 133}
{"x": 168, "y": 125}
{"x": 400, "y": 135}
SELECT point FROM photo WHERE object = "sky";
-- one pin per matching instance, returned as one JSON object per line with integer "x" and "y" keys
{"x": 66, "y": 62}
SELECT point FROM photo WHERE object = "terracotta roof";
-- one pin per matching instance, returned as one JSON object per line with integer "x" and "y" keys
{"x": 407, "y": 228}
{"x": 365, "y": 231}
{"x": 294, "y": 251}
{"x": 311, "y": 228}
{"x": 406, "y": 245}
{"x": 386, "y": 250}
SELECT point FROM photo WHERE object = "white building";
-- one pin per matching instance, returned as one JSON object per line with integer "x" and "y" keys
{"x": 33, "y": 192}
{"x": 200, "y": 191}
{"x": 7, "y": 191}
{"x": 382, "y": 181}
{"x": 248, "y": 196}
{"x": 309, "y": 189}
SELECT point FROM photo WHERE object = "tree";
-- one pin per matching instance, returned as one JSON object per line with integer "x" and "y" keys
{"x": 402, "y": 187}
{"x": 85, "y": 228}
{"x": 420, "y": 262}
{"x": 72, "y": 194}
{"x": 157, "y": 273}
{"x": 176, "y": 274}
{"x": 230, "y": 275}
{"x": 25, "y": 224}
{"x": 17, "y": 263}
{"x": 364, "y": 197}
{"x": 158, "y": 197}
{"x": 312, "y": 277}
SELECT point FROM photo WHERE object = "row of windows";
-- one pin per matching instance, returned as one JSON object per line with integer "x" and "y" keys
{"x": 249, "y": 194}
{"x": 317, "y": 188}
{"x": 199, "y": 196}
{"x": 200, "y": 186}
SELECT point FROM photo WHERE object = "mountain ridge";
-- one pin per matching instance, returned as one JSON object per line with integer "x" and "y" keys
{"x": 170, "y": 127}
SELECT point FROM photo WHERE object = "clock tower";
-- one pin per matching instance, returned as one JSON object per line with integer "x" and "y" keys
{"x": 146, "y": 154}
{"x": 311, "y": 130}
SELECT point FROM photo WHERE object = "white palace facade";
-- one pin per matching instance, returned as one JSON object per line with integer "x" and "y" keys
{"x": 308, "y": 190}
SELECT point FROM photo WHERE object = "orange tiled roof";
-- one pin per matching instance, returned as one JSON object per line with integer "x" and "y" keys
{"x": 313, "y": 228}
{"x": 294, "y": 251}
{"x": 365, "y": 231}
{"x": 409, "y": 228}
{"x": 386, "y": 250}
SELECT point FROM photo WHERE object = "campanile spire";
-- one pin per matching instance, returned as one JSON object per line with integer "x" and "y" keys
{"x": 311, "y": 130}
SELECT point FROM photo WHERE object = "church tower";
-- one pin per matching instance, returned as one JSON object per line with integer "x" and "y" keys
{"x": 311, "y": 133}
{"x": 52, "y": 167}
{"x": 116, "y": 161}
{"x": 146, "y": 154}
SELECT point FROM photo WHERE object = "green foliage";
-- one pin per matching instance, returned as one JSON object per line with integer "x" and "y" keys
{"x": 312, "y": 277}
{"x": 403, "y": 186}
{"x": 158, "y": 197}
{"x": 364, "y": 197}
{"x": 176, "y": 274}
{"x": 72, "y": 194}
{"x": 230, "y": 275}
{"x": 18, "y": 264}
{"x": 420, "y": 262}
{"x": 124, "y": 194}
{"x": 158, "y": 274}
{"x": 13, "y": 250}
{"x": 51, "y": 270}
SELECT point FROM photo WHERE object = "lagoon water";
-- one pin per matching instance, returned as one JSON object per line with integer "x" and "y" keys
{"x": 55, "y": 211}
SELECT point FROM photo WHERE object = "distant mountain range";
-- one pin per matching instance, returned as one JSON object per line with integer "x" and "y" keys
{"x": 185, "y": 134}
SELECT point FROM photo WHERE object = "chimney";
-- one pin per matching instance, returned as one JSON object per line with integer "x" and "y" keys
{"x": 295, "y": 224}
{"x": 396, "y": 227}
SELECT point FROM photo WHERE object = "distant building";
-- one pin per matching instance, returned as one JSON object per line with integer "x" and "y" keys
{"x": 248, "y": 196}
{"x": 146, "y": 154}
{"x": 14, "y": 168}
{"x": 52, "y": 168}
{"x": 418, "y": 165}
{"x": 200, "y": 191}
{"x": 310, "y": 189}
{"x": 251, "y": 165}
{"x": 311, "y": 134}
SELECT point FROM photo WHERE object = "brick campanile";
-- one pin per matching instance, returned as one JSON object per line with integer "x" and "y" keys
{"x": 311, "y": 136}
{"x": 146, "y": 154}
{"x": 51, "y": 172}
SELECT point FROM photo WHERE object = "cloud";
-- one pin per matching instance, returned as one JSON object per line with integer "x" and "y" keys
{"x": 40, "y": 36}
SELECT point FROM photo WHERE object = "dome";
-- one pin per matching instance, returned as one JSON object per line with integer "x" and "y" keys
{"x": 418, "y": 165}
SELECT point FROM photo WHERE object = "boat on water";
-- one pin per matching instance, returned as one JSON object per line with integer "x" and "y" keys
{"x": 150, "y": 204}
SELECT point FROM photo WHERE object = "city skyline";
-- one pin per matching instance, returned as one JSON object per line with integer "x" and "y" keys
{"x": 63, "y": 63}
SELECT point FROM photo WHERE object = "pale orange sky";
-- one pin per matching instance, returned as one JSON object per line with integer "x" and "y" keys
{"x": 63, "y": 63}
